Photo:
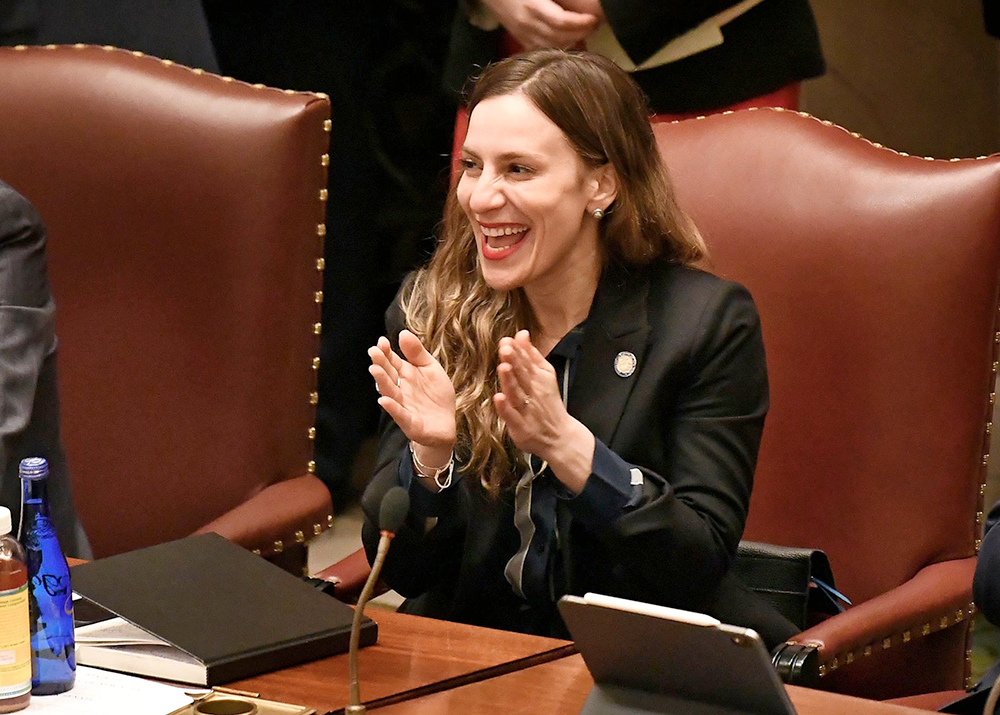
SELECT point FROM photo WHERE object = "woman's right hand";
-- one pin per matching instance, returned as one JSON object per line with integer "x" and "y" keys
{"x": 418, "y": 395}
{"x": 538, "y": 24}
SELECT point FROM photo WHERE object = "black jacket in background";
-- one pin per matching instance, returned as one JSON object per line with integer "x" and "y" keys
{"x": 770, "y": 46}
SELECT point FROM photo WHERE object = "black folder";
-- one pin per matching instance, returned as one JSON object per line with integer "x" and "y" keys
{"x": 231, "y": 611}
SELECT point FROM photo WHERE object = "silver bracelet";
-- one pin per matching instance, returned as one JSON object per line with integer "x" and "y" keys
{"x": 431, "y": 473}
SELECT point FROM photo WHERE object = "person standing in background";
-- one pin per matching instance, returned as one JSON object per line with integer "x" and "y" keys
{"x": 29, "y": 398}
{"x": 169, "y": 29}
{"x": 689, "y": 58}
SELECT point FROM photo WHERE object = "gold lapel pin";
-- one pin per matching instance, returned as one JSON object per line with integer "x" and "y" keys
{"x": 625, "y": 363}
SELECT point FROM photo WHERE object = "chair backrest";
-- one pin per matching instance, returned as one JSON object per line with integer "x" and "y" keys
{"x": 185, "y": 218}
{"x": 876, "y": 275}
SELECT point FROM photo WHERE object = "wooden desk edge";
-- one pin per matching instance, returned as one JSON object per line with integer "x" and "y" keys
{"x": 562, "y": 651}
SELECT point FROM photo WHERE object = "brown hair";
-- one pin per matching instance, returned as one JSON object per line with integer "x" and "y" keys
{"x": 460, "y": 319}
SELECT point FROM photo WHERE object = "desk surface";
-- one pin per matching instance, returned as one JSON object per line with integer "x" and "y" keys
{"x": 414, "y": 656}
{"x": 562, "y": 686}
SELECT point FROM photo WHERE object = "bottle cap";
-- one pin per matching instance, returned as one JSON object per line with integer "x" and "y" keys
{"x": 4, "y": 521}
{"x": 34, "y": 468}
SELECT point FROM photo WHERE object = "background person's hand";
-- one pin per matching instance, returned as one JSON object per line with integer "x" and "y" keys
{"x": 418, "y": 395}
{"x": 544, "y": 23}
{"x": 537, "y": 421}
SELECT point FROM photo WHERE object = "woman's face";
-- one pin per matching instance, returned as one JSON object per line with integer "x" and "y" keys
{"x": 530, "y": 198}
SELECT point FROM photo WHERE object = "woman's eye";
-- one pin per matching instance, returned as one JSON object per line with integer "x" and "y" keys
{"x": 467, "y": 164}
{"x": 519, "y": 169}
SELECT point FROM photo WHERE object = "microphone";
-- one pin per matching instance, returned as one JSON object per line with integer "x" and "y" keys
{"x": 391, "y": 515}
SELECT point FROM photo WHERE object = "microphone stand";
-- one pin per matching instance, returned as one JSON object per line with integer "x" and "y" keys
{"x": 355, "y": 707}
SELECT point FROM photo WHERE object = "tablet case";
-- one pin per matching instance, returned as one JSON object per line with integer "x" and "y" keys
{"x": 672, "y": 662}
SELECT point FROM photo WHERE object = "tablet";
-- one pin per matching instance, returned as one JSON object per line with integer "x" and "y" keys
{"x": 653, "y": 659}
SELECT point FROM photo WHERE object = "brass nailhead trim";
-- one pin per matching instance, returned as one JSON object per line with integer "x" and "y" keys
{"x": 198, "y": 70}
{"x": 979, "y": 522}
{"x": 996, "y": 366}
{"x": 312, "y": 433}
{"x": 321, "y": 229}
{"x": 323, "y": 194}
{"x": 166, "y": 63}
{"x": 311, "y": 467}
{"x": 327, "y": 125}
{"x": 278, "y": 546}
{"x": 925, "y": 630}
{"x": 322, "y": 95}
{"x": 944, "y": 622}
{"x": 315, "y": 363}
{"x": 993, "y": 398}
{"x": 20, "y": 48}
{"x": 300, "y": 538}
{"x": 313, "y": 398}
{"x": 868, "y": 650}
{"x": 324, "y": 160}
{"x": 849, "y": 659}
{"x": 989, "y": 427}
{"x": 329, "y": 521}
{"x": 979, "y": 542}
{"x": 906, "y": 636}
{"x": 317, "y": 328}
{"x": 320, "y": 264}
{"x": 834, "y": 665}
{"x": 822, "y": 668}
{"x": 986, "y": 460}
{"x": 959, "y": 615}
{"x": 258, "y": 85}
{"x": 886, "y": 644}
{"x": 317, "y": 529}
{"x": 318, "y": 296}
{"x": 79, "y": 45}
{"x": 288, "y": 91}
{"x": 256, "y": 552}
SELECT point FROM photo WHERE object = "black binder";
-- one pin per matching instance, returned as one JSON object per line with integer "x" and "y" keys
{"x": 233, "y": 612}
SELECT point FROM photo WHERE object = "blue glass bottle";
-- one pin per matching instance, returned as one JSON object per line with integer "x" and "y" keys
{"x": 53, "y": 653}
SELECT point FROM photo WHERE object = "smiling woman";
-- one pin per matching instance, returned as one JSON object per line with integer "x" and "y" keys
{"x": 571, "y": 405}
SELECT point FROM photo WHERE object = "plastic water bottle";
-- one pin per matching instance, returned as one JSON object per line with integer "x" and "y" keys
{"x": 15, "y": 643}
{"x": 53, "y": 654}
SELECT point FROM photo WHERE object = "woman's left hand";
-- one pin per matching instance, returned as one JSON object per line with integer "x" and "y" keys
{"x": 536, "y": 418}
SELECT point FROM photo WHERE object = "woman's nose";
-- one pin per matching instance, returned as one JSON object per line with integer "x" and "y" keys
{"x": 487, "y": 194}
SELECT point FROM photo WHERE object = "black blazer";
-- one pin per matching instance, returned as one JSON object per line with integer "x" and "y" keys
{"x": 29, "y": 400}
{"x": 690, "y": 417}
{"x": 770, "y": 46}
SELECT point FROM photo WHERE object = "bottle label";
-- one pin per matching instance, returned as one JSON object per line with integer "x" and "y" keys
{"x": 15, "y": 645}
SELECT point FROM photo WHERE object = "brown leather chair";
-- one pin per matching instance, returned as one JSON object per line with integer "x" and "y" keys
{"x": 185, "y": 215}
{"x": 876, "y": 275}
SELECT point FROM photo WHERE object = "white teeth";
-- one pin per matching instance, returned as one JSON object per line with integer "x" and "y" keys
{"x": 503, "y": 231}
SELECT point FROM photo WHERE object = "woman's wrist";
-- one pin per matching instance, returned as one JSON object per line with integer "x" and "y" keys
{"x": 572, "y": 459}
{"x": 431, "y": 457}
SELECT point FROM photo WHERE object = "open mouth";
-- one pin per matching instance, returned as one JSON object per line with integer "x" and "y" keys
{"x": 500, "y": 241}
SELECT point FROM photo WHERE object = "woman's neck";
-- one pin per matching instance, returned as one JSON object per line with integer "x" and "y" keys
{"x": 559, "y": 309}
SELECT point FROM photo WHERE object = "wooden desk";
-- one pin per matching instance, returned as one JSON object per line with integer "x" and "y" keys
{"x": 414, "y": 656}
{"x": 562, "y": 686}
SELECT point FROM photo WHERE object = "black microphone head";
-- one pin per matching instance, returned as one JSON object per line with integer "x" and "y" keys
{"x": 392, "y": 511}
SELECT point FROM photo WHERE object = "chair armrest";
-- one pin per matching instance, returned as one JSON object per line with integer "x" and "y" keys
{"x": 287, "y": 513}
{"x": 937, "y": 597}
{"x": 348, "y": 575}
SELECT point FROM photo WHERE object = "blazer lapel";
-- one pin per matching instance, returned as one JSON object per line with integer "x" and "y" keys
{"x": 618, "y": 323}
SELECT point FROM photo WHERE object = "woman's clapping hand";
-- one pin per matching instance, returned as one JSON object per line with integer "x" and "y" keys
{"x": 418, "y": 395}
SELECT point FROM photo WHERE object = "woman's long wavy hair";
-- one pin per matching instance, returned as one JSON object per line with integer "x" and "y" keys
{"x": 449, "y": 306}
